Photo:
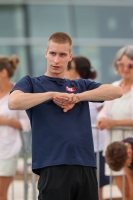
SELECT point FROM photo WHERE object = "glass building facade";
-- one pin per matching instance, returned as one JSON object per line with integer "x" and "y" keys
{"x": 98, "y": 29}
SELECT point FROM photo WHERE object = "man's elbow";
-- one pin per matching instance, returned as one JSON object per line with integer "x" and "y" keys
{"x": 119, "y": 92}
{"x": 12, "y": 104}
{"x": 116, "y": 92}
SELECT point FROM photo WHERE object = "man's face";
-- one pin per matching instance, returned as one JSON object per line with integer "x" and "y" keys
{"x": 58, "y": 56}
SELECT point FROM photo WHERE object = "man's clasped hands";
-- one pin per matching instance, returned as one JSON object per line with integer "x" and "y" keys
{"x": 66, "y": 101}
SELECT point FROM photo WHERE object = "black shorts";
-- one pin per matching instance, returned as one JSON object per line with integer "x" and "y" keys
{"x": 68, "y": 182}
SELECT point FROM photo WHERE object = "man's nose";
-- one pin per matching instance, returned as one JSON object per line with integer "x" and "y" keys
{"x": 56, "y": 59}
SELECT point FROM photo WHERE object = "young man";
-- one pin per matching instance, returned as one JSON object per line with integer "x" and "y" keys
{"x": 120, "y": 155}
{"x": 62, "y": 146}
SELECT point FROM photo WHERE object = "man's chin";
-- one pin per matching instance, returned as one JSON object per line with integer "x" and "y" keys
{"x": 55, "y": 72}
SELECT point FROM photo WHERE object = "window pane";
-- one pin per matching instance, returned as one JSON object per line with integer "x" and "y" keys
{"x": 11, "y": 21}
{"x": 44, "y": 20}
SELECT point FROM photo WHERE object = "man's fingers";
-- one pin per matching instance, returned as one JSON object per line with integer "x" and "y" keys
{"x": 62, "y": 100}
{"x": 58, "y": 104}
{"x": 70, "y": 98}
{"x": 66, "y": 103}
{"x": 73, "y": 98}
{"x": 65, "y": 109}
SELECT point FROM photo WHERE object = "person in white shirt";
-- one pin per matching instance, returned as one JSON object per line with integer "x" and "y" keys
{"x": 11, "y": 122}
{"x": 80, "y": 67}
{"x": 119, "y": 113}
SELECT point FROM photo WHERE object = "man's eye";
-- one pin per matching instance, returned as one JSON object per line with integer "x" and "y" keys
{"x": 52, "y": 53}
{"x": 62, "y": 55}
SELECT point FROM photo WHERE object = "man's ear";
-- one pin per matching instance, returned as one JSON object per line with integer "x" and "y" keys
{"x": 129, "y": 152}
{"x": 71, "y": 56}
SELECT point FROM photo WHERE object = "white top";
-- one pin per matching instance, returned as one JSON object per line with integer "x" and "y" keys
{"x": 110, "y": 110}
{"x": 10, "y": 141}
{"x": 123, "y": 105}
{"x": 121, "y": 109}
{"x": 98, "y": 135}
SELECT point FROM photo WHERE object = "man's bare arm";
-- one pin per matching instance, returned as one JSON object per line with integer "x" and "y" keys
{"x": 19, "y": 100}
{"x": 104, "y": 92}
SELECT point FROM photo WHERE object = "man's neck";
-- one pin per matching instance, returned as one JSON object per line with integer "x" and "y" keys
{"x": 54, "y": 75}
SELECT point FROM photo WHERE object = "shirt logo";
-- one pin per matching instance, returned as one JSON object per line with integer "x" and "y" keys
{"x": 73, "y": 89}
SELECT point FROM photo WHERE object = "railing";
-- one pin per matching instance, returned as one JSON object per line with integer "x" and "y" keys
{"x": 26, "y": 152}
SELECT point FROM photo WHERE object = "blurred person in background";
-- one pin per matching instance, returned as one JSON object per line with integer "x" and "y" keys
{"x": 120, "y": 155}
{"x": 11, "y": 122}
{"x": 119, "y": 112}
{"x": 80, "y": 67}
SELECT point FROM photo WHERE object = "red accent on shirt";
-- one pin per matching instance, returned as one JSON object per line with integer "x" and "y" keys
{"x": 73, "y": 89}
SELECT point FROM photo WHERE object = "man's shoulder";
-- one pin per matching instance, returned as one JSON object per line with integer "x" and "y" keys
{"x": 26, "y": 83}
{"x": 81, "y": 81}
{"x": 32, "y": 79}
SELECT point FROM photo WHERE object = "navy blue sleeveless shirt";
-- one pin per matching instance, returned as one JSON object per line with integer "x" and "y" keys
{"x": 59, "y": 138}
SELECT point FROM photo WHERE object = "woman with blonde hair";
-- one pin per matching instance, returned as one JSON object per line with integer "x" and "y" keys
{"x": 11, "y": 122}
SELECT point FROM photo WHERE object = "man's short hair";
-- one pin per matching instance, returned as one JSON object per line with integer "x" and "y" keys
{"x": 61, "y": 38}
{"x": 116, "y": 155}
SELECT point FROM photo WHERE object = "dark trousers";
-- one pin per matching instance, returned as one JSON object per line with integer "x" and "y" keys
{"x": 68, "y": 182}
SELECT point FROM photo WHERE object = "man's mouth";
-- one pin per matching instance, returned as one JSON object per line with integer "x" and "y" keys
{"x": 56, "y": 67}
